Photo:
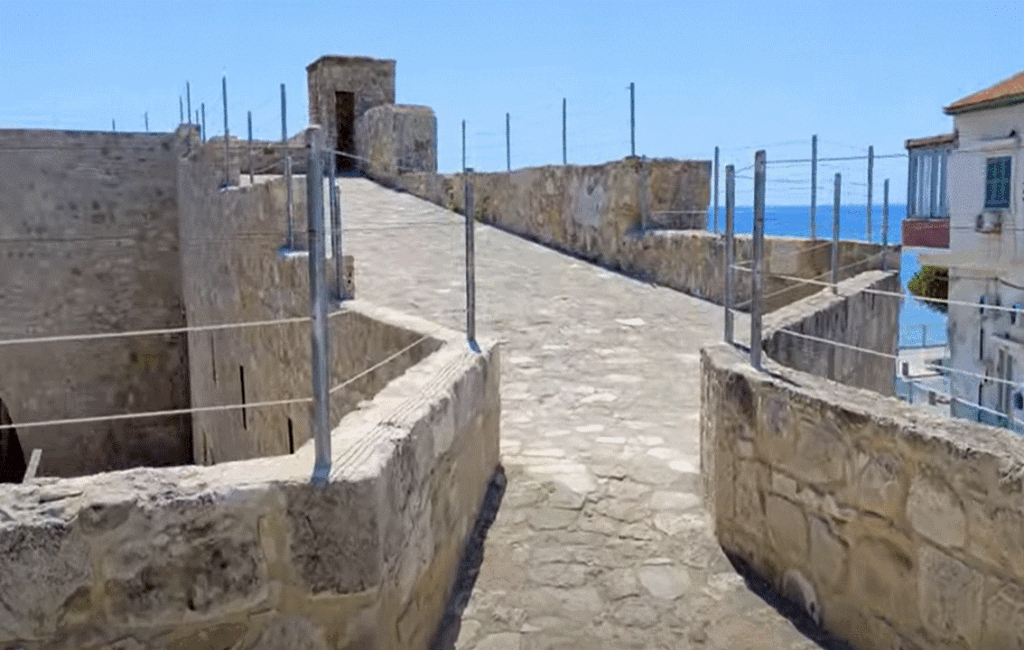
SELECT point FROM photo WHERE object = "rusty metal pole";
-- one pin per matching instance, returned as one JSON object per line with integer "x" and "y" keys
{"x": 885, "y": 225}
{"x": 287, "y": 172}
{"x": 814, "y": 184}
{"x": 730, "y": 203}
{"x": 757, "y": 289}
{"x": 470, "y": 263}
{"x": 227, "y": 135}
{"x": 835, "y": 233}
{"x": 716, "y": 192}
{"x": 252, "y": 174}
{"x": 871, "y": 176}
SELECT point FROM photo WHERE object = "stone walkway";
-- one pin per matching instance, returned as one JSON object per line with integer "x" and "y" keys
{"x": 601, "y": 540}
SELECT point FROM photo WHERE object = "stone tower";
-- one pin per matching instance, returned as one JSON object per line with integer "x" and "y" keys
{"x": 341, "y": 89}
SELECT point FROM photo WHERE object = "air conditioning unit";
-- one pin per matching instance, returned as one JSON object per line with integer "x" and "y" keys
{"x": 989, "y": 221}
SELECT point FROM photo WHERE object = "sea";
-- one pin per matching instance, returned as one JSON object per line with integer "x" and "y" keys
{"x": 919, "y": 325}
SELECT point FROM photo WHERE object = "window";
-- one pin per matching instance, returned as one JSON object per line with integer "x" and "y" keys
{"x": 997, "y": 182}
{"x": 1018, "y": 402}
{"x": 926, "y": 190}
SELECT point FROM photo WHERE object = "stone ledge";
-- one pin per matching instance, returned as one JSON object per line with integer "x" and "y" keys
{"x": 892, "y": 553}
{"x": 185, "y": 554}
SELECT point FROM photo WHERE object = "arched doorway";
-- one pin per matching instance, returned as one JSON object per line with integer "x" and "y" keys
{"x": 12, "y": 458}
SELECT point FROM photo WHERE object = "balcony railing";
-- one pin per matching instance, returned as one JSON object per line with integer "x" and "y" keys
{"x": 926, "y": 233}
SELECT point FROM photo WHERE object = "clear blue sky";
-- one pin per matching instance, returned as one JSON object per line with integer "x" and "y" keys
{"x": 733, "y": 74}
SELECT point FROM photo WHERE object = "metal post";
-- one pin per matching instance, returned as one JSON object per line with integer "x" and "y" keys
{"x": 871, "y": 174}
{"x": 320, "y": 420}
{"x": 197, "y": 117}
{"x": 730, "y": 206}
{"x": 188, "y": 99}
{"x": 644, "y": 204}
{"x": 252, "y": 174}
{"x": 565, "y": 158}
{"x": 632, "y": 119}
{"x": 716, "y": 190}
{"x": 508, "y": 142}
{"x": 181, "y": 110}
{"x": 113, "y": 125}
{"x": 463, "y": 146}
{"x": 756, "y": 290}
{"x": 145, "y": 117}
{"x": 470, "y": 263}
{"x": 814, "y": 183}
{"x": 885, "y": 225}
{"x": 202, "y": 107}
{"x": 287, "y": 170}
{"x": 339, "y": 267}
{"x": 835, "y": 233}
{"x": 924, "y": 335}
{"x": 227, "y": 149}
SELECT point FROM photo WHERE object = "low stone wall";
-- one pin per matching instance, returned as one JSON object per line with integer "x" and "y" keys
{"x": 248, "y": 555}
{"x": 854, "y": 317}
{"x": 397, "y": 139}
{"x": 230, "y": 241}
{"x": 892, "y": 526}
{"x": 594, "y": 212}
{"x": 267, "y": 156}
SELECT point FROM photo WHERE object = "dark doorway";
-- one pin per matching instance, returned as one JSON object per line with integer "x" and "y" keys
{"x": 344, "y": 119}
{"x": 12, "y": 459}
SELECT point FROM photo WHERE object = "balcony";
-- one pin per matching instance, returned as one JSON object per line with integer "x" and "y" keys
{"x": 929, "y": 232}
{"x": 927, "y": 222}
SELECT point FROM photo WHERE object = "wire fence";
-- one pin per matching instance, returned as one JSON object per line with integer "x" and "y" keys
{"x": 329, "y": 238}
{"x": 982, "y": 384}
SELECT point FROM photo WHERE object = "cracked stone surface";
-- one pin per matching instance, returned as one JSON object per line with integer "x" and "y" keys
{"x": 602, "y": 540}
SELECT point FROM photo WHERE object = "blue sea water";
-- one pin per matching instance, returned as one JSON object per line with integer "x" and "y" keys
{"x": 794, "y": 221}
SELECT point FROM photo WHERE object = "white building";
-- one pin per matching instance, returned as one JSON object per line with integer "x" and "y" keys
{"x": 973, "y": 180}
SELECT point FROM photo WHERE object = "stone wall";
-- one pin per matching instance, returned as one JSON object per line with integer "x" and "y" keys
{"x": 267, "y": 156}
{"x": 235, "y": 274}
{"x": 372, "y": 81}
{"x": 89, "y": 244}
{"x": 397, "y": 139}
{"x": 893, "y": 527}
{"x": 593, "y": 212}
{"x": 248, "y": 555}
{"x": 851, "y": 316}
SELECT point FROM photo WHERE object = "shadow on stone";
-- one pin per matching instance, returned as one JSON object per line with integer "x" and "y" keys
{"x": 12, "y": 458}
{"x": 469, "y": 567}
{"x": 793, "y": 611}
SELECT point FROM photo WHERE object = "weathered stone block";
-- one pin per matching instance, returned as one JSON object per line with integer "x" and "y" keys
{"x": 882, "y": 579}
{"x": 936, "y": 512}
{"x": 879, "y": 487}
{"x": 996, "y": 535}
{"x": 830, "y": 556}
{"x": 216, "y": 574}
{"x": 787, "y": 527}
{"x": 784, "y": 485}
{"x": 1004, "y": 617}
{"x": 950, "y": 596}
{"x": 749, "y": 505}
{"x": 821, "y": 453}
{"x": 43, "y": 570}
{"x": 334, "y": 536}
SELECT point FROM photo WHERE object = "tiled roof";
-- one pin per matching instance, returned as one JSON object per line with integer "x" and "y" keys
{"x": 1008, "y": 91}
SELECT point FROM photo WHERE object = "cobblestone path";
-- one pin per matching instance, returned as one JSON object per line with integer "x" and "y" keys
{"x": 601, "y": 540}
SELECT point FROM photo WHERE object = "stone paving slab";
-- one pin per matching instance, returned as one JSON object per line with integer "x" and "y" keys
{"x": 601, "y": 540}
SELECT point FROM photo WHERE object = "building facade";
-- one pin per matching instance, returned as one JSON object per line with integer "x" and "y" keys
{"x": 975, "y": 179}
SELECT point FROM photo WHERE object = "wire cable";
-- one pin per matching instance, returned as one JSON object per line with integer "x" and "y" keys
{"x": 378, "y": 365}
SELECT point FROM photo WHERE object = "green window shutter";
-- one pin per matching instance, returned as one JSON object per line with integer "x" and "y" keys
{"x": 997, "y": 182}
